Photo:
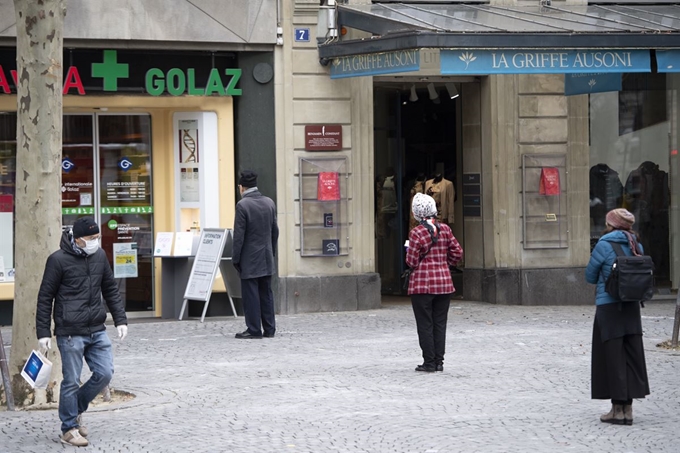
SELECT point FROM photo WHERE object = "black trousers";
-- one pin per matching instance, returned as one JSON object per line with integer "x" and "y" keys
{"x": 258, "y": 305}
{"x": 431, "y": 312}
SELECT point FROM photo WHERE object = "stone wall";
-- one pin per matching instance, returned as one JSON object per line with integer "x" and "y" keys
{"x": 305, "y": 94}
{"x": 529, "y": 114}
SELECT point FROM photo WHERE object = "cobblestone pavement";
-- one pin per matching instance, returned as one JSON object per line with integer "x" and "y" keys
{"x": 516, "y": 379}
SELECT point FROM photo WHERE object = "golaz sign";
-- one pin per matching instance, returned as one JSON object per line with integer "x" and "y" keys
{"x": 134, "y": 72}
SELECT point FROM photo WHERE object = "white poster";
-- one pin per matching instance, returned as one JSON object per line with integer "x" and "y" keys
{"x": 184, "y": 241}
{"x": 188, "y": 183}
{"x": 125, "y": 260}
{"x": 163, "y": 244}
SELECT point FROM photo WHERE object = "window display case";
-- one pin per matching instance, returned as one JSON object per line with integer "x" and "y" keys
{"x": 324, "y": 222}
{"x": 544, "y": 201}
{"x": 196, "y": 171}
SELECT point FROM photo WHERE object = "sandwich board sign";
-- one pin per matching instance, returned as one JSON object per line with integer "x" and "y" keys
{"x": 205, "y": 268}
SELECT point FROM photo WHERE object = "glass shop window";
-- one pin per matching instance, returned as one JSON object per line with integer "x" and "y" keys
{"x": 629, "y": 162}
{"x": 8, "y": 153}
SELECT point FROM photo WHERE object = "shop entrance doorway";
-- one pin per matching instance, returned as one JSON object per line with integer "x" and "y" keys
{"x": 417, "y": 149}
{"x": 106, "y": 174}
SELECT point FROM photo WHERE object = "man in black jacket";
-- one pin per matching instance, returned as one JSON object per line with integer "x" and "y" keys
{"x": 255, "y": 237}
{"x": 75, "y": 279}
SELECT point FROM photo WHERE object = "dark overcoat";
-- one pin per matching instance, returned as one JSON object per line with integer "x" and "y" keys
{"x": 255, "y": 236}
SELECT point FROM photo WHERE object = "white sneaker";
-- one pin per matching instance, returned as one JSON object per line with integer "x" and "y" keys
{"x": 81, "y": 429}
{"x": 73, "y": 437}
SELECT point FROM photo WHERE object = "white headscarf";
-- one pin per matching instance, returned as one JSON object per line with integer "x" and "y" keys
{"x": 423, "y": 206}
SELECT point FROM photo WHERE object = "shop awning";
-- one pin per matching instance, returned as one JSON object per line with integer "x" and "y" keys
{"x": 399, "y": 27}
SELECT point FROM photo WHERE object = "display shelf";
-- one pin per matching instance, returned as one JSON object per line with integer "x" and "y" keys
{"x": 544, "y": 201}
{"x": 323, "y": 206}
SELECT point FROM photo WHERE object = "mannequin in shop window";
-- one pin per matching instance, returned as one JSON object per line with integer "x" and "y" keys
{"x": 418, "y": 187}
{"x": 606, "y": 193}
{"x": 444, "y": 193}
{"x": 647, "y": 196}
{"x": 389, "y": 193}
{"x": 386, "y": 202}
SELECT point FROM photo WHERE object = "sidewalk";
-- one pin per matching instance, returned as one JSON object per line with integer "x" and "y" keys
{"x": 516, "y": 379}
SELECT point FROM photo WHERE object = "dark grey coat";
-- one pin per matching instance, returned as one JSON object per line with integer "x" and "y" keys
{"x": 72, "y": 288}
{"x": 255, "y": 236}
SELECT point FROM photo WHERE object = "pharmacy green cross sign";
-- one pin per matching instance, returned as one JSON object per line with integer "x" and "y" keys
{"x": 157, "y": 73}
{"x": 110, "y": 70}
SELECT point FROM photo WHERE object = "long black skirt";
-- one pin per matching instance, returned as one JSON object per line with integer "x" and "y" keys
{"x": 619, "y": 370}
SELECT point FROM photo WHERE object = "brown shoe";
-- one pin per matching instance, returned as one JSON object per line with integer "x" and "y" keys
{"x": 628, "y": 414}
{"x": 614, "y": 416}
{"x": 73, "y": 437}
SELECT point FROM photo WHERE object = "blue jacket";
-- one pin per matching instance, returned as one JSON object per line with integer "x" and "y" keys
{"x": 601, "y": 261}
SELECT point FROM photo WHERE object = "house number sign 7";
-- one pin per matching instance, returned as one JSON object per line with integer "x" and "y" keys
{"x": 302, "y": 34}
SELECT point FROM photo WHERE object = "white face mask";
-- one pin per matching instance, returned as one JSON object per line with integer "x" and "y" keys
{"x": 91, "y": 246}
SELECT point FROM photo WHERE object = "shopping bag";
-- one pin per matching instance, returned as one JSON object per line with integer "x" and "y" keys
{"x": 37, "y": 370}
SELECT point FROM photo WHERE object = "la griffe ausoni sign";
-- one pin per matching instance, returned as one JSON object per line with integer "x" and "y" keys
{"x": 556, "y": 61}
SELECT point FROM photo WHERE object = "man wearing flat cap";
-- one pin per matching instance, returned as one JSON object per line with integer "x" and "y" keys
{"x": 255, "y": 236}
{"x": 76, "y": 278}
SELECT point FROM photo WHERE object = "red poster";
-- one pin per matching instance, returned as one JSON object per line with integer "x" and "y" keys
{"x": 550, "y": 181}
{"x": 6, "y": 203}
{"x": 329, "y": 186}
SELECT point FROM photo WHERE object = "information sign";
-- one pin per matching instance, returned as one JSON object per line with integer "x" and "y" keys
{"x": 323, "y": 137}
{"x": 205, "y": 267}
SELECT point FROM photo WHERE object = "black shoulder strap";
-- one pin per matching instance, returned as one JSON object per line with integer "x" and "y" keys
{"x": 617, "y": 248}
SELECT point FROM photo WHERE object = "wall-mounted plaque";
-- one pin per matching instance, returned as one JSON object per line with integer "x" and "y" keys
{"x": 331, "y": 246}
{"x": 323, "y": 137}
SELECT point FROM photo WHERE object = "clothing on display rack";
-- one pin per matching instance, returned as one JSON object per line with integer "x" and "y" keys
{"x": 647, "y": 196}
{"x": 606, "y": 193}
{"x": 444, "y": 193}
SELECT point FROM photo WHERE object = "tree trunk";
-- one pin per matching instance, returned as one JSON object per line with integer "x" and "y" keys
{"x": 40, "y": 25}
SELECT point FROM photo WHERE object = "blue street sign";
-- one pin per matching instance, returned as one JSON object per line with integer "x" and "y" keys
{"x": 549, "y": 61}
{"x": 302, "y": 34}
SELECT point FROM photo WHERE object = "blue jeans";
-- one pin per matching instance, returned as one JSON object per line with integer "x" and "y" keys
{"x": 74, "y": 399}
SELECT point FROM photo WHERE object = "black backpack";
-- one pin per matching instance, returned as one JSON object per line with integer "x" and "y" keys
{"x": 631, "y": 278}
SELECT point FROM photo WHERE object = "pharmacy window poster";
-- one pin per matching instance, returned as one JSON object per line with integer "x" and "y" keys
{"x": 125, "y": 260}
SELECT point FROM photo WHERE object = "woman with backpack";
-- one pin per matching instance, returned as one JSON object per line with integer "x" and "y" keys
{"x": 431, "y": 250}
{"x": 619, "y": 371}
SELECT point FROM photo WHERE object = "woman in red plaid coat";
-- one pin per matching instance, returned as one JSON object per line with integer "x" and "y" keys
{"x": 431, "y": 250}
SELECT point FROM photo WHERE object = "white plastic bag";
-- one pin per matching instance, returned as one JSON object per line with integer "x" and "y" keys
{"x": 37, "y": 370}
